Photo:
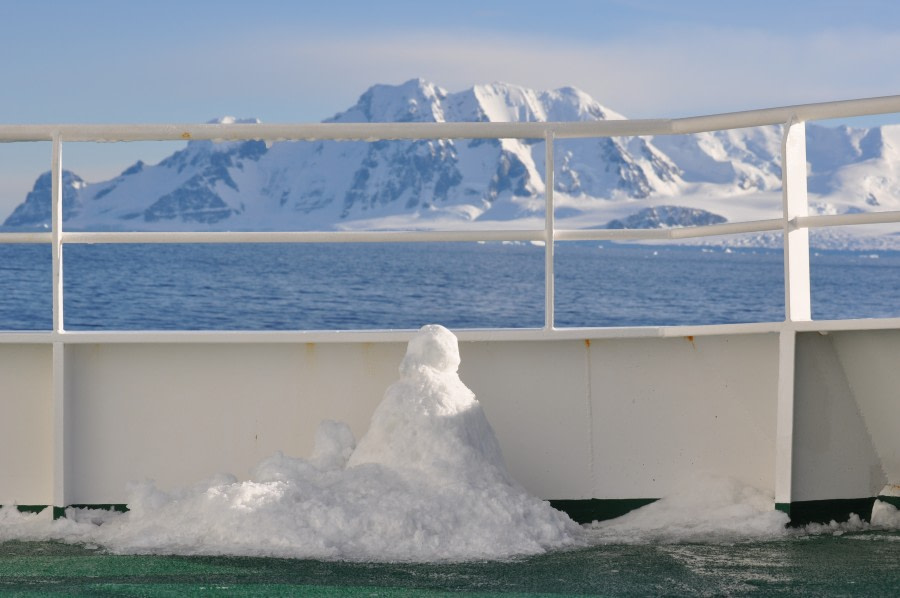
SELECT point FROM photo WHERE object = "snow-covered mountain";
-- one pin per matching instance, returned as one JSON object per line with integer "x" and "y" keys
{"x": 667, "y": 217}
{"x": 35, "y": 210}
{"x": 633, "y": 181}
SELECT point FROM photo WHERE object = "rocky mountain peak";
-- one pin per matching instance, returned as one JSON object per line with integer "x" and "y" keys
{"x": 416, "y": 100}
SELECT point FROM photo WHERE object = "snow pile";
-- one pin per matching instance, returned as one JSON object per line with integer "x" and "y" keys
{"x": 426, "y": 483}
{"x": 717, "y": 509}
{"x": 429, "y": 423}
{"x": 704, "y": 509}
{"x": 885, "y": 515}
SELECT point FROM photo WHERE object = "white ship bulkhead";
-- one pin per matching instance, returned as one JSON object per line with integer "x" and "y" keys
{"x": 597, "y": 420}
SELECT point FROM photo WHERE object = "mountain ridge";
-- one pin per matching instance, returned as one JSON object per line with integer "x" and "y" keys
{"x": 249, "y": 185}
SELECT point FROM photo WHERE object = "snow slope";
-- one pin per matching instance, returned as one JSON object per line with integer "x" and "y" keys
{"x": 453, "y": 183}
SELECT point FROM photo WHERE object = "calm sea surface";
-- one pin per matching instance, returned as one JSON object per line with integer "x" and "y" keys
{"x": 463, "y": 285}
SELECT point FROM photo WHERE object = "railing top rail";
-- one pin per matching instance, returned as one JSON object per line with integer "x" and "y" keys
{"x": 439, "y": 236}
{"x": 799, "y": 112}
{"x": 448, "y": 130}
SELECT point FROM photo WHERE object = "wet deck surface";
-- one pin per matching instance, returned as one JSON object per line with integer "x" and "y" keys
{"x": 858, "y": 564}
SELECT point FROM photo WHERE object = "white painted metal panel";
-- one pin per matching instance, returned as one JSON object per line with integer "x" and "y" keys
{"x": 179, "y": 413}
{"x": 871, "y": 363}
{"x": 608, "y": 418}
{"x": 834, "y": 456}
{"x": 536, "y": 396}
{"x": 666, "y": 409}
{"x": 26, "y": 430}
{"x": 602, "y": 419}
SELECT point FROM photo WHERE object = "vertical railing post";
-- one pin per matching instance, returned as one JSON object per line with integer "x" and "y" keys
{"x": 60, "y": 458}
{"x": 796, "y": 239}
{"x": 549, "y": 226}
{"x": 796, "y": 302}
{"x": 56, "y": 220}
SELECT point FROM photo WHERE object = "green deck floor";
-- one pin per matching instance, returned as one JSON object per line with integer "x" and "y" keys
{"x": 852, "y": 564}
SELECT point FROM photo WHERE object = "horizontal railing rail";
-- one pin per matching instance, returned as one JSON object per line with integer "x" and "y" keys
{"x": 305, "y": 236}
{"x": 449, "y": 130}
{"x": 26, "y": 237}
{"x": 438, "y": 236}
{"x": 825, "y": 220}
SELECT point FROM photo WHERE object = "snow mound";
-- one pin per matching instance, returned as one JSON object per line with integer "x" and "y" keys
{"x": 885, "y": 515}
{"x": 705, "y": 508}
{"x": 430, "y": 425}
{"x": 426, "y": 483}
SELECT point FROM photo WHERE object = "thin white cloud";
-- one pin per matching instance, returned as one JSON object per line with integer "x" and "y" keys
{"x": 654, "y": 72}
{"x": 658, "y": 73}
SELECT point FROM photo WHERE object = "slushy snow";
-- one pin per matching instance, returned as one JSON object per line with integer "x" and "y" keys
{"x": 705, "y": 508}
{"x": 427, "y": 482}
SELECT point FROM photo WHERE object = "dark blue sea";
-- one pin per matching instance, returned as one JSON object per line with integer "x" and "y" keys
{"x": 461, "y": 285}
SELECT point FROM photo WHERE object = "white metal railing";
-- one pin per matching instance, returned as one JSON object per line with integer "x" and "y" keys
{"x": 795, "y": 217}
{"x": 458, "y": 130}
{"x": 794, "y": 223}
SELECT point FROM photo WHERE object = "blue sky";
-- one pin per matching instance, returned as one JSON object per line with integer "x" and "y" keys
{"x": 160, "y": 61}
{"x": 293, "y": 61}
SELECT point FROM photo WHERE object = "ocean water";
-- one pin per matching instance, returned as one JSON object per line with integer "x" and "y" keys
{"x": 463, "y": 286}
{"x": 403, "y": 286}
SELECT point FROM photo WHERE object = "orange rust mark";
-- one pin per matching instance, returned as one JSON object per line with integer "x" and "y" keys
{"x": 690, "y": 339}
{"x": 587, "y": 343}
{"x": 185, "y": 135}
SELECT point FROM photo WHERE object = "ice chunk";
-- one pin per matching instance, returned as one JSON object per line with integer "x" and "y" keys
{"x": 885, "y": 515}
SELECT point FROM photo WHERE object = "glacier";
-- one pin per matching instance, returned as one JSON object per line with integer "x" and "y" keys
{"x": 452, "y": 183}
